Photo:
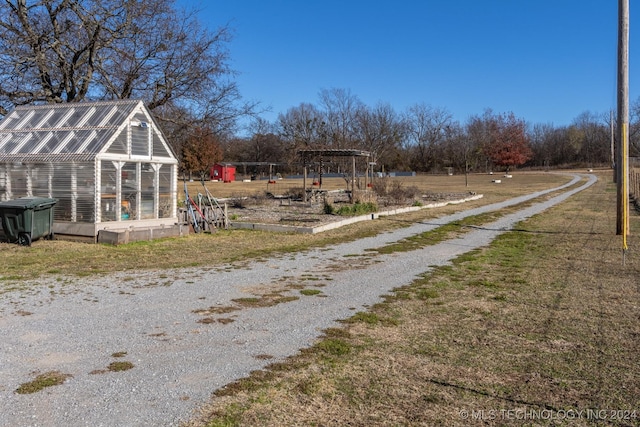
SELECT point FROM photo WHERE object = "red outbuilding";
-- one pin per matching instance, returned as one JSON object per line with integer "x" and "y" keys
{"x": 223, "y": 172}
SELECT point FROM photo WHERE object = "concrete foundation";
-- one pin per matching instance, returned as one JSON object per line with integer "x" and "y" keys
{"x": 119, "y": 237}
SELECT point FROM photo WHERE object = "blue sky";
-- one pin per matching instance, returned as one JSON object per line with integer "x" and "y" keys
{"x": 547, "y": 61}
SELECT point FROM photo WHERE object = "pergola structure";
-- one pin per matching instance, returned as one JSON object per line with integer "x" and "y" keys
{"x": 309, "y": 154}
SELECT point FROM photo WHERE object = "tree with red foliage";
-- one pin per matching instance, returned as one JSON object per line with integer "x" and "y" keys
{"x": 508, "y": 144}
{"x": 200, "y": 151}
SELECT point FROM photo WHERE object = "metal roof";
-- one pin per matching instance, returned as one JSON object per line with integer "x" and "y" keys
{"x": 334, "y": 152}
{"x": 62, "y": 132}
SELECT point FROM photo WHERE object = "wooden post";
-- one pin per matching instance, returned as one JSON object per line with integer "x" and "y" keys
{"x": 353, "y": 179}
{"x": 304, "y": 178}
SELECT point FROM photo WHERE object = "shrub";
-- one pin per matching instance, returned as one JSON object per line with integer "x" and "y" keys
{"x": 296, "y": 193}
{"x": 380, "y": 186}
{"x": 357, "y": 209}
{"x": 328, "y": 207}
{"x": 394, "y": 192}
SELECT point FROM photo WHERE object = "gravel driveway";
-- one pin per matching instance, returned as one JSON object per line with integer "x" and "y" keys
{"x": 76, "y": 326}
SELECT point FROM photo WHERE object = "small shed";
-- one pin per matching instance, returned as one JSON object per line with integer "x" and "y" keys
{"x": 107, "y": 163}
{"x": 223, "y": 172}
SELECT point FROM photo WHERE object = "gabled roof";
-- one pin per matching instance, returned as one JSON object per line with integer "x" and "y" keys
{"x": 65, "y": 132}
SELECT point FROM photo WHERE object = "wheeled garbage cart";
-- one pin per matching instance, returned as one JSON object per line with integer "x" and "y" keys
{"x": 27, "y": 219}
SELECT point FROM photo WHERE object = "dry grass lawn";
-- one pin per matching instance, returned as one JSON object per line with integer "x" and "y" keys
{"x": 540, "y": 328}
{"x": 63, "y": 258}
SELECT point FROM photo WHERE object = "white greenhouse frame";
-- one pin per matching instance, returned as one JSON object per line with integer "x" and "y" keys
{"x": 107, "y": 163}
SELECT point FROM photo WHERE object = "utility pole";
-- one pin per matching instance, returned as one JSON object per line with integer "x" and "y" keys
{"x": 622, "y": 145}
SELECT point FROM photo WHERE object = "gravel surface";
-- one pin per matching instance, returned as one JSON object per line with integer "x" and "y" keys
{"x": 76, "y": 325}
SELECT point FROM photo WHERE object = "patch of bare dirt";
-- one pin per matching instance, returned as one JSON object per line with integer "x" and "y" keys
{"x": 296, "y": 212}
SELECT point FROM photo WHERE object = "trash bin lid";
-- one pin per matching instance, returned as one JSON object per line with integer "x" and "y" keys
{"x": 29, "y": 203}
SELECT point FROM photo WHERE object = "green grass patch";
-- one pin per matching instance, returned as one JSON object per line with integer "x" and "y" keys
{"x": 439, "y": 234}
{"x": 42, "y": 381}
{"x": 426, "y": 294}
{"x": 333, "y": 347}
{"x": 120, "y": 366}
{"x": 357, "y": 209}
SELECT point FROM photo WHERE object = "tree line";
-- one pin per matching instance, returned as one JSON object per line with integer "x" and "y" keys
{"x": 426, "y": 139}
{"x": 153, "y": 50}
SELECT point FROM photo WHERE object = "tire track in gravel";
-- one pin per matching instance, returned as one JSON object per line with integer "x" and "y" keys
{"x": 179, "y": 362}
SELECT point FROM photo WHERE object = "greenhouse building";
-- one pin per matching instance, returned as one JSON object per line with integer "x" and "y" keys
{"x": 107, "y": 164}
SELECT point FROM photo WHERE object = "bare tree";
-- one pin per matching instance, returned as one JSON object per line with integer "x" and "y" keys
{"x": 304, "y": 126}
{"x": 73, "y": 50}
{"x": 541, "y": 137}
{"x": 595, "y": 141}
{"x": 458, "y": 151}
{"x": 381, "y": 130}
{"x": 426, "y": 128}
{"x": 340, "y": 107}
{"x": 634, "y": 128}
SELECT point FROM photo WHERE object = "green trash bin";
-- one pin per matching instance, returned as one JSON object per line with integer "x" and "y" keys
{"x": 27, "y": 219}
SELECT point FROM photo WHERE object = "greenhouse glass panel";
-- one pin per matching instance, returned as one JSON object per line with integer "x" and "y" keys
{"x": 80, "y": 142}
{"x": 24, "y": 120}
{"x": 53, "y": 120}
{"x": 26, "y": 140}
{"x": 64, "y": 139}
{"x": 4, "y": 139}
{"x": 57, "y": 140}
{"x": 62, "y": 116}
{"x": 165, "y": 179}
{"x": 12, "y": 143}
{"x": 85, "y": 191}
{"x": 80, "y": 117}
{"x": 147, "y": 191}
{"x": 118, "y": 116}
{"x": 119, "y": 146}
{"x": 159, "y": 149}
{"x": 18, "y": 176}
{"x": 108, "y": 187}
{"x": 73, "y": 186}
{"x": 9, "y": 121}
{"x": 5, "y": 182}
{"x": 41, "y": 179}
{"x": 42, "y": 143}
{"x": 130, "y": 191}
{"x": 61, "y": 182}
{"x": 140, "y": 139}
